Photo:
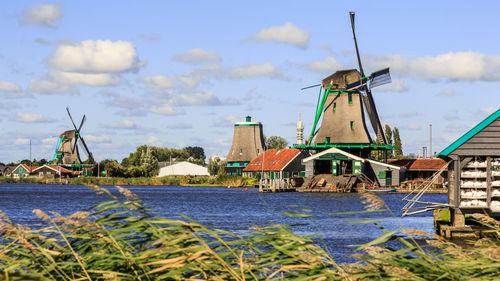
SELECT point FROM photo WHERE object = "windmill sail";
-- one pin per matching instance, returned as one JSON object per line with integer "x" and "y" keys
{"x": 368, "y": 99}
{"x": 380, "y": 78}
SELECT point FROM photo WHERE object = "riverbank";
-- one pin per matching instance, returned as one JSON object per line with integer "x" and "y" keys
{"x": 224, "y": 180}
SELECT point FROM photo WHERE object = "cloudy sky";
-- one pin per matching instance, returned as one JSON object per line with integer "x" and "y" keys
{"x": 180, "y": 73}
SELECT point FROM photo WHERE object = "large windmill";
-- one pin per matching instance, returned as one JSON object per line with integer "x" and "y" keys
{"x": 67, "y": 151}
{"x": 342, "y": 100}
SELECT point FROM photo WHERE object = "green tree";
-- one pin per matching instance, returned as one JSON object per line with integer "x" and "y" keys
{"x": 215, "y": 166}
{"x": 275, "y": 142}
{"x": 112, "y": 168}
{"x": 398, "y": 146}
{"x": 388, "y": 137}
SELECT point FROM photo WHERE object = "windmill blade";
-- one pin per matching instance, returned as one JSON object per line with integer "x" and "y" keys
{"x": 74, "y": 145}
{"x": 67, "y": 109}
{"x": 81, "y": 123}
{"x": 351, "y": 14}
{"x": 371, "y": 110}
{"x": 313, "y": 86}
{"x": 379, "y": 78}
{"x": 91, "y": 158}
{"x": 358, "y": 84}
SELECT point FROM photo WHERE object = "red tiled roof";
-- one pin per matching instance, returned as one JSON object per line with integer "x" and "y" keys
{"x": 55, "y": 168}
{"x": 273, "y": 159}
{"x": 420, "y": 164}
{"x": 28, "y": 168}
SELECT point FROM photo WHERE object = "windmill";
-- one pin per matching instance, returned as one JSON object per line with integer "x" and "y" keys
{"x": 342, "y": 100}
{"x": 67, "y": 152}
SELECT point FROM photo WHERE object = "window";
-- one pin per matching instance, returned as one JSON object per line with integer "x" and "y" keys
{"x": 258, "y": 151}
{"x": 349, "y": 96}
{"x": 327, "y": 140}
{"x": 352, "y": 125}
{"x": 241, "y": 151}
{"x": 334, "y": 106}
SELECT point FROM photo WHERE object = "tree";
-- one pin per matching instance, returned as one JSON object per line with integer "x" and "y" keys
{"x": 215, "y": 165}
{"x": 398, "y": 146}
{"x": 275, "y": 142}
{"x": 388, "y": 137}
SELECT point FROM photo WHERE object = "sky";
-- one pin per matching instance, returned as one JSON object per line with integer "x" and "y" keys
{"x": 181, "y": 73}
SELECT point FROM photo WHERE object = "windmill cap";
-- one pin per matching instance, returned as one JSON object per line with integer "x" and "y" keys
{"x": 248, "y": 122}
{"x": 341, "y": 79}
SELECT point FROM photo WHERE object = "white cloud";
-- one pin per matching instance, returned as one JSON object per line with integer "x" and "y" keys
{"x": 6, "y": 86}
{"x": 408, "y": 114}
{"x": 226, "y": 121}
{"x": 396, "y": 85}
{"x": 163, "y": 109}
{"x": 49, "y": 86}
{"x": 155, "y": 141}
{"x": 32, "y": 118}
{"x": 100, "y": 56}
{"x": 414, "y": 127}
{"x": 202, "y": 98}
{"x": 287, "y": 33}
{"x": 222, "y": 142}
{"x": 329, "y": 64}
{"x": 170, "y": 82}
{"x": 122, "y": 124}
{"x": 42, "y": 14}
{"x": 19, "y": 141}
{"x": 198, "y": 56}
{"x": 50, "y": 140}
{"x": 93, "y": 80}
{"x": 489, "y": 110}
{"x": 446, "y": 93}
{"x": 253, "y": 70}
{"x": 458, "y": 66}
{"x": 97, "y": 139}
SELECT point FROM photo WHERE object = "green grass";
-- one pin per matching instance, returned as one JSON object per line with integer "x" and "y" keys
{"x": 121, "y": 239}
{"x": 225, "y": 180}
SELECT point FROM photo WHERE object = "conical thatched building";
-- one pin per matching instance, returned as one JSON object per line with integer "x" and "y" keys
{"x": 248, "y": 143}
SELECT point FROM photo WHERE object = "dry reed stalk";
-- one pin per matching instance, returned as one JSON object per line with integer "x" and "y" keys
{"x": 371, "y": 201}
{"x": 41, "y": 214}
{"x": 374, "y": 250}
{"x": 416, "y": 232}
{"x": 129, "y": 194}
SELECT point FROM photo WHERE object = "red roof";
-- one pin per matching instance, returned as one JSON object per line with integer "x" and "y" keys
{"x": 29, "y": 168}
{"x": 273, "y": 159}
{"x": 421, "y": 163}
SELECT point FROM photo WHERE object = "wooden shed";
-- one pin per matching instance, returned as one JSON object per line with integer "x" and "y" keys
{"x": 474, "y": 170}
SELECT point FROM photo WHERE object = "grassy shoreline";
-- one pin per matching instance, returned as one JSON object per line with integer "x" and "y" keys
{"x": 223, "y": 181}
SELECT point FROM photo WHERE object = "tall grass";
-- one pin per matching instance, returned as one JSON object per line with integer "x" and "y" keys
{"x": 224, "y": 180}
{"x": 121, "y": 239}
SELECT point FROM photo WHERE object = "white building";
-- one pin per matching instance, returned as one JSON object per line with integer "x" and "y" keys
{"x": 183, "y": 169}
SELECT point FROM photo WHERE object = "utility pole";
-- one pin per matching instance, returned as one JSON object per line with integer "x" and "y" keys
{"x": 430, "y": 141}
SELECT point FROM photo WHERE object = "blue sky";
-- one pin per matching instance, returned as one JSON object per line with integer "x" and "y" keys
{"x": 179, "y": 73}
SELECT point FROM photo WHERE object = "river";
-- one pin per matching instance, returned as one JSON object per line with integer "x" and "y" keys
{"x": 234, "y": 210}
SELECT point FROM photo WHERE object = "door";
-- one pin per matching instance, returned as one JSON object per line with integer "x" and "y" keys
{"x": 388, "y": 178}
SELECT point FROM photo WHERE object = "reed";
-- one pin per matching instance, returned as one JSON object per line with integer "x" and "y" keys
{"x": 121, "y": 239}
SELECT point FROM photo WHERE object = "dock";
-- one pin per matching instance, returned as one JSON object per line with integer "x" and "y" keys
{"x": 276, "y": 185}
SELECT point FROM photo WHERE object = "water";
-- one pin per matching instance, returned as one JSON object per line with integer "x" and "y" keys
{"x": 234, "y": 210}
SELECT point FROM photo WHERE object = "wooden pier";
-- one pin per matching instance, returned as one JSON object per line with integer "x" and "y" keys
{"x": 276, "y": 185}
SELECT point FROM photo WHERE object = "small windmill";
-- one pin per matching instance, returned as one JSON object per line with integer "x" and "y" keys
{"x": 340, "y": 102}
{"x": 67, "y": 152}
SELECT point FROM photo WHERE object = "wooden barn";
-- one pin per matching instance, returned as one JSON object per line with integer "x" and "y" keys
{"x": 51, "y": 171}
{"x": 474, "y": 170}
{"x": 276, "y": 164}
{"x": 22, "y": 171}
